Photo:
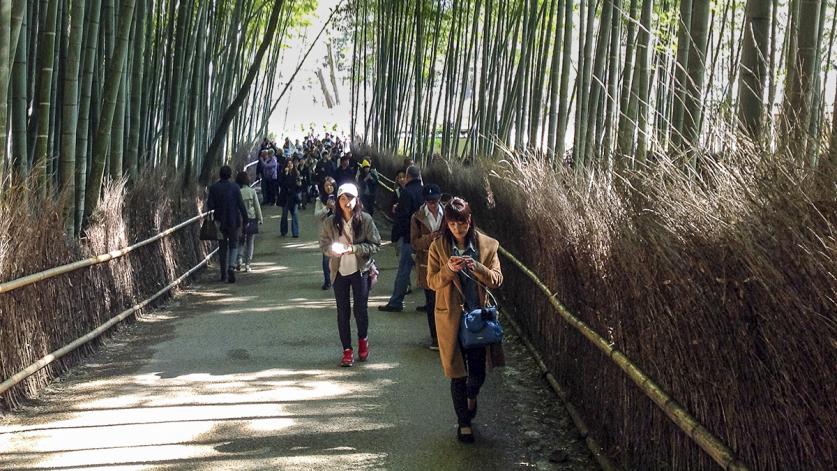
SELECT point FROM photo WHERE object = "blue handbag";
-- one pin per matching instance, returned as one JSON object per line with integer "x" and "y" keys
{"x": 480, "y": 328}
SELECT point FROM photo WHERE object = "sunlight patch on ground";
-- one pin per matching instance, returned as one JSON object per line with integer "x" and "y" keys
{"x": 151, "y": 419}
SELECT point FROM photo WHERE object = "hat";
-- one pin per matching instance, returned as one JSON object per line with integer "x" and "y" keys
{"x": 348, "y": 188}
{"x": 431, "y": 192}
{"x": 365, "y": 163}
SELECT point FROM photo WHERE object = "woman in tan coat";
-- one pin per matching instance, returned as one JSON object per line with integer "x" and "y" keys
{"x": 460, "y": 264}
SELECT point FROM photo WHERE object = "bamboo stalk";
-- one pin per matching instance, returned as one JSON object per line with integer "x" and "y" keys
{"x": 34, "y": 367}
{"x": 52, "y": 272}
{"x": 722, "y": 454}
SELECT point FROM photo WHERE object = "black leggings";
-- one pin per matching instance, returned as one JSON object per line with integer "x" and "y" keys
{"x": 462, "y": 389}
{"x": 359, "y": 286}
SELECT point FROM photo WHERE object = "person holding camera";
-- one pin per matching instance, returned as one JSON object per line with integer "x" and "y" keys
{"x": 349, "y": 237}
{"x": 323, "y": 208}
{"x": 461, "y": 264}
{"x": 246, "y": 244}
{"x": 425, "y": 227}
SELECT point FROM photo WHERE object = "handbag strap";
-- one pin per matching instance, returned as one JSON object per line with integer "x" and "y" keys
{"x": 488, "y": 292}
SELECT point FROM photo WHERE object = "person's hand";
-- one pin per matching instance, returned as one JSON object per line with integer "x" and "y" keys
{"x": 340, "y": 248}
{"x": 456, "y": 263}
{"x": 330, "y": 204}
{"x": 469, "y": 262}
{"x": 435, "y": 235}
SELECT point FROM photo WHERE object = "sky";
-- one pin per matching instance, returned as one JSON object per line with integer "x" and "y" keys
{"x": 304, "y": 103}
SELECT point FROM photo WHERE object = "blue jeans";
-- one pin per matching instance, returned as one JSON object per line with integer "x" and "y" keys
{"x": 326, "y": 271}
{"x": 245, "y": 248}
{"x": 228, "y": 251}
{"x": 402, "y": 278}
{"x": 283, "y": 225}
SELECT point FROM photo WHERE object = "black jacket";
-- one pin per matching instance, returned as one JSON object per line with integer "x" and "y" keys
{"x": 225, "y": 199}
{"x": 409, "y": 202}
{"x": 345, "y": 175}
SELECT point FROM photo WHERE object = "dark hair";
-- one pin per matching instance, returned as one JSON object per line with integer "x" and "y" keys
{"x": 414, "y": 172}
{"x": 225, "y": 173}
{"x": 323, "y": 195}
{"x": 458, "y": 210}
{"x": 242, "y": 179}
{"x": 357, "y": 217}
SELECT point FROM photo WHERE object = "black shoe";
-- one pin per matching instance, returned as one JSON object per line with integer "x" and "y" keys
{"x": 230, "y": 276}
{"x": 388, "y": 308}
{"x": 464, "y": 437}
{"x": 422, "y": 308}
{"x": 434, "y": 345}
{"x": 223, "y": 277}
{"x": 325, "y": 286}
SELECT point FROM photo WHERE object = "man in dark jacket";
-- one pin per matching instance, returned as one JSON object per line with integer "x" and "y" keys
{"x": 345, "y": 173}
{"x": 231, "y": 215}
{"x": 409, "y": 201}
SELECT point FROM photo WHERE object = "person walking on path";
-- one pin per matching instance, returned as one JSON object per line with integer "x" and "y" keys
{"x": 323, "y": 208}
{"x": 254, "y": 220}
{"x": 270, "y": 177}
{"x": 368, "y": 186}
{"x": 225, "y": 199}
{"x": 291, "y": 182}
{"x": 425, "y": 227}
{"x": 345, "y": 173}
{"x": 461, "y": 264}
{"x": 408, "y": 203}
{"x": 350, "y": 238}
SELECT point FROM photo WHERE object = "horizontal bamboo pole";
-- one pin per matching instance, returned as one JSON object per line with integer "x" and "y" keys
{"x": 714, "y": 447}
{"x": 251, "y": 164}
{"x": 34, "y": 367}
{"x": 591, "y": 442}
{"x": 43, "y": 275}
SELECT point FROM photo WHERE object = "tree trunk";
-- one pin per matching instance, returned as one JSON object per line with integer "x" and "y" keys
{"x": 697, "y": 67}
{"x": 42, "y": 104}
{"x": 213, "y": 153}
{"x": 797, "y": 112}
{"x": 684, "y": 41}
{"x": 69, "y": 123}
{"x": 109, "y": 98}
{"x": 753, "y": 68}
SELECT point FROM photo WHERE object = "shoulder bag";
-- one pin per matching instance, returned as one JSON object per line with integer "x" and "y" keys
{"x": 480, "y": 327}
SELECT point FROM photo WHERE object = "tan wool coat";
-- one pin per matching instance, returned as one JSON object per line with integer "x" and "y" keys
{"x": 446, "y": 283}
{"x": 421, "y": 236}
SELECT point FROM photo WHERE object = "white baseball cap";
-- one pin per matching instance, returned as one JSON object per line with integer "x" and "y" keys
{"x": 349, "y": 188}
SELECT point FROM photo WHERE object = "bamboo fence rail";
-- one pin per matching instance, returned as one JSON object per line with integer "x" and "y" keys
{"x": 715, "y": 448}
{"x": 52, "y": 272}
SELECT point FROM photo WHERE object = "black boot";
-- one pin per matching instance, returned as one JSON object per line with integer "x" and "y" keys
{"x": 231, "y": 276}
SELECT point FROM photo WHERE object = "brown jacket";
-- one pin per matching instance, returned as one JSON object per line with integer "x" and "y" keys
{"x": 445, "y": 282}
{"x": 421, "y": 236}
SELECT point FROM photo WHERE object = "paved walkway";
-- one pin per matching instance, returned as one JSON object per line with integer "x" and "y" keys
{"x": 245, "y": 376}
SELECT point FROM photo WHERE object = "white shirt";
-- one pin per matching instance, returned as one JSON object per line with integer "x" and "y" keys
{"x": 348, "y": 262}
{"x": 435, "y": 220}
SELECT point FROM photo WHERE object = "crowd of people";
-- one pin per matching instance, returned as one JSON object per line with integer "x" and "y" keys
{"x": 434, "y": 234}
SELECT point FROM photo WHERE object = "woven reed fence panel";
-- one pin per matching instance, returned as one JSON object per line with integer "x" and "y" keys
{"x": 726, "y": 296}
{"x": 38, "y": 319}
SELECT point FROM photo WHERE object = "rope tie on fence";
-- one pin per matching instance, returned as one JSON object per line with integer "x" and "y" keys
{"x": 714, "y": 447}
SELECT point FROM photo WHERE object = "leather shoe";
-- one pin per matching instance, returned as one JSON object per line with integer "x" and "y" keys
{"x": 388, "y": 308}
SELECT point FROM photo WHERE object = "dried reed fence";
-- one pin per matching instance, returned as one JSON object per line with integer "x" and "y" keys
{"x": 40, "y": 318}
{"x": 722, "y": 288}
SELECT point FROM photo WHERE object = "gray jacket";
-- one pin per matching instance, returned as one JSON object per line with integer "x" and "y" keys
{"x": 364, "y": 245}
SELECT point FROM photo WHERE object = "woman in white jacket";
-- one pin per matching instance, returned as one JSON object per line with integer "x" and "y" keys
{"x": 254, "y": 214}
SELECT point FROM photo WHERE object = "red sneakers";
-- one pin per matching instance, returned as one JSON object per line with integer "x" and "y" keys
{"x": 348, "y": 358}
{"x": 363, "y": 349}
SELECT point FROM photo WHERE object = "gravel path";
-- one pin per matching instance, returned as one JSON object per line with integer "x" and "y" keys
{"x": 245, "y": 376}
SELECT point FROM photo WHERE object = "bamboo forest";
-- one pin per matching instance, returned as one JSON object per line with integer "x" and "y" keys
{"x": 612, "y": 223}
